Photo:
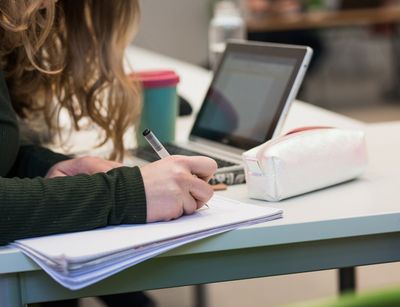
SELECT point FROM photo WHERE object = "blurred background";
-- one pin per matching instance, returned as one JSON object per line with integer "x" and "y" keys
{"x": 355, "y": 71}
{"x": 356, "y": 66}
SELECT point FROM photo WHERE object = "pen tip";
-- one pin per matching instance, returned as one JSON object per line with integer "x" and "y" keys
{"x": 146, "y": 132}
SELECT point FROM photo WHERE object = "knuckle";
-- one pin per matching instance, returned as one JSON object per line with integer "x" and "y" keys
{"x": 176, "y": 193}
{"x": 191, "y": 208}
{"x": 206, "y": 191}
{"x": 176, "y": 196}
{"x": 211, "y": 164}
{"x": 214, "y": 165}
{"x": 179, "y": 159}
{"x": 209, "y": 193}
{"x": 177, "y": 211}
{"x": 179, "y": 176}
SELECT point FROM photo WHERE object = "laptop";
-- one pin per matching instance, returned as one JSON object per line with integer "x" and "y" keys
{"x": 245, "y": 105}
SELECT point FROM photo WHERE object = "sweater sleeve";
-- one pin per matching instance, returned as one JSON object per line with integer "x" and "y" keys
{"x": 31, "y": 207}
{"x": 9, "y": 132}
{"x": 33, "y": 161}
{"x": 36, "y": 207}
{"x": 16, "y": 160}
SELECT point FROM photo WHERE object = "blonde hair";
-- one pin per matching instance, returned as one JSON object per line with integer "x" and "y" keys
{"x": 69, "y": 55}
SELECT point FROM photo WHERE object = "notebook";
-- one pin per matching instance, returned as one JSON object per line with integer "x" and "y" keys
{"x": 80, "y": 259}
{"x": 245, "y": 105}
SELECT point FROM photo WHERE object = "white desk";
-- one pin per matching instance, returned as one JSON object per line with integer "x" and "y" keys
{"x": 352, "y": 224}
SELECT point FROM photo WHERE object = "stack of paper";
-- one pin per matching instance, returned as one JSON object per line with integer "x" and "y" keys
{"x": 77, "y": 260}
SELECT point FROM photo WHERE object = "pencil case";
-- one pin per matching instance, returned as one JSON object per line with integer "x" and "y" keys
{"x": 304, "y": 160}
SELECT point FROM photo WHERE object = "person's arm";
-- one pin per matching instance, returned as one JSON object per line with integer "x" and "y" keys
{"x": 34, "y": 207}
{"x": 9, "y": 132}
{"x": 39, "y": 206}
{"x": 43, "y": 206}
{"x": 20, "y": 161}
{"x": 159, "y": 191}
{"x": 34, "y": 161}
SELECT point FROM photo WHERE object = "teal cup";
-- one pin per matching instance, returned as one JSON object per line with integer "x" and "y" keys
{"x": 160, "y": 105}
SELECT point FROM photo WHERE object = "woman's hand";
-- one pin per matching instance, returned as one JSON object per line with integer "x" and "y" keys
{"x": 85, "y": 165}
{"x": 177, "y": 185}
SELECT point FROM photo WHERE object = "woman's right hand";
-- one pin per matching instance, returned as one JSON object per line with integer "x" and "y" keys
{"x": 177, "y": 185}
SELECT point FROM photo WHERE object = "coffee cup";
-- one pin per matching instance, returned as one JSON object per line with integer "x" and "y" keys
{"x": 160, "y": 104}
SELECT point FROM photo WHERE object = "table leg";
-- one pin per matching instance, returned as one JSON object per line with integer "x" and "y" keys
{"x": 10, "y": 292}
{"x": 200, "y": 296}
{"x": 347, "y": 280}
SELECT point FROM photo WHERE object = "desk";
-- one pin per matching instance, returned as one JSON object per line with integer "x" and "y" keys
{"x": 326, "y": 19}
{"x": 336, "y": 19}
{"x": 352, "y": 224}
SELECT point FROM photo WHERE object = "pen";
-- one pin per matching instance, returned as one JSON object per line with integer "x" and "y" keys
{"x": 157, "y": 146}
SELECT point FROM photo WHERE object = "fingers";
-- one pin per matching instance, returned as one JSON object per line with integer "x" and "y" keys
{"x": 55, "y": 173}
{"x": 200, "y": 191}
{"x": 84, "y": 165}
{"x": 175, "y": 185}
{"x": 195, "y": 192}
{"x": 92, "y": 165}
{"x": 202, "y": 167}
{"x": 189, "y": 204}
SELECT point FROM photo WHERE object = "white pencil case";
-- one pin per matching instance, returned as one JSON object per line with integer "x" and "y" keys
{"x": 304, "y": 160}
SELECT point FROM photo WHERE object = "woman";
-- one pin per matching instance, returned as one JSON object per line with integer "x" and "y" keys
{"x": 68, "y": 55}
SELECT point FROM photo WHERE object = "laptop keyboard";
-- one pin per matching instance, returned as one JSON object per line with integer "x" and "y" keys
{"x": 147, "y": 153}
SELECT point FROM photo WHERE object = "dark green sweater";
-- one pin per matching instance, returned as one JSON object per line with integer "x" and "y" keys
{"x": 31, "y": 205}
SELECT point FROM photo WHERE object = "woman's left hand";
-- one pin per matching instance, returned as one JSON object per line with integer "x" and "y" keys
{"x": 84, "y": 165}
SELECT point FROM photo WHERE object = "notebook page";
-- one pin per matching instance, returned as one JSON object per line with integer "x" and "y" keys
{"x": 74, "y": 247}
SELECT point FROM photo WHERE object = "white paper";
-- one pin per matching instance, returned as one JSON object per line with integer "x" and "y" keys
{"x": 77, "y": 260}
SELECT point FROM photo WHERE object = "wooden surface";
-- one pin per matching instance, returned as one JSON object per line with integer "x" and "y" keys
{"x": 325, "y": 19}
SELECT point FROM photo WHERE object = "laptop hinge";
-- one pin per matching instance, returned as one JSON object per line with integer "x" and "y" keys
{"x": 217, "y": 147}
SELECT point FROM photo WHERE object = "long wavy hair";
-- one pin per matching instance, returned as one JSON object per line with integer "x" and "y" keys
{"x": 68, "y": 54}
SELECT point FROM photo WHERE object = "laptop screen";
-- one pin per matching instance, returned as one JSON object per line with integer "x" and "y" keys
{"x": 249, "y": 91}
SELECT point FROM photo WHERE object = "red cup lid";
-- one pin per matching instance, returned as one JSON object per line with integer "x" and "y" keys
{"x": 156, "y": 78}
